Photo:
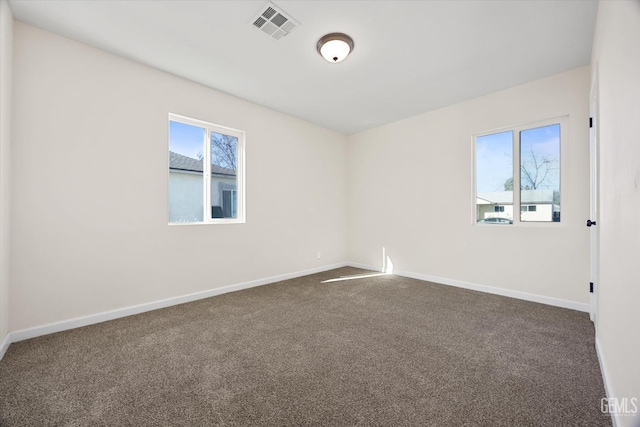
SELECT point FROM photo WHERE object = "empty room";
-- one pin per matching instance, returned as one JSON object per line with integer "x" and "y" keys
{"x": 341, "y": 213}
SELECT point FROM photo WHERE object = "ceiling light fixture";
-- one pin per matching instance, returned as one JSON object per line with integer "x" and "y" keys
{"x": 335, "y": 47}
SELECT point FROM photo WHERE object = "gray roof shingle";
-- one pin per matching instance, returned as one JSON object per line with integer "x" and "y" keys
{"x": 184, "y": 163}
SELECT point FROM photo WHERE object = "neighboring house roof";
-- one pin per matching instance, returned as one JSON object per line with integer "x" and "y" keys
{"x": 527, "y": 197}
{"x": 536, "y": 196}
{"x": 189, "y": 164}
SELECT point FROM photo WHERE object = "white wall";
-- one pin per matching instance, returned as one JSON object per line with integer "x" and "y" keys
{"x": 618, "y": 57}
{"x": 411, "y": 192}
{"x": 90, "y": 229}
{"x": 6, "y": 62}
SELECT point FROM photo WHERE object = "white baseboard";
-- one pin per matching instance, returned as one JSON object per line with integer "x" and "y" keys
{"x": 78, "y": 322}
{"x": 487, "y": 289}
{"x": 5, "y": 345}
{"x": 363, "y": 266}
{"x": 141, "y": 308}
{"x": 608, "y": 388}
{"x": 574, "y": 305}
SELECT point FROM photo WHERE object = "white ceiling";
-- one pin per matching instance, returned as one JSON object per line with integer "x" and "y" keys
{"x": 410, "y": 56}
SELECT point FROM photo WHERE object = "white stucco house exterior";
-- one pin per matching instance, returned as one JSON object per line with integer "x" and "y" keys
{"x": 535, "y": 205}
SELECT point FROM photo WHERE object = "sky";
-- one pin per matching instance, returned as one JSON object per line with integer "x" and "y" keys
{"x": 494, "y": 161}
{"x": 494, "y": 156}
{"x": 186, "y": 139}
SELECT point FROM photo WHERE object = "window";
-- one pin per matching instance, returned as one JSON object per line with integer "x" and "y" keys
{"x": 200, "y": 191}
{"x": 229, "y": 203}
{"x": 526, "y": 158}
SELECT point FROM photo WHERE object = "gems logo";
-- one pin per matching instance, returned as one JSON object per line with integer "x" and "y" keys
{"x": 619, "y": 405}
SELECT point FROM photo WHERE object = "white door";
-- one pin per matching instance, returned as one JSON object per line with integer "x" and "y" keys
{"x": 593, "y": 218}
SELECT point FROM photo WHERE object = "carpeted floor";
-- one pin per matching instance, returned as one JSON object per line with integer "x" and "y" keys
{"x": 373, "y": 351}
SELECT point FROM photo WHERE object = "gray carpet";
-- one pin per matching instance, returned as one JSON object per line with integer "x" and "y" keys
{"x": 378, "y": 351}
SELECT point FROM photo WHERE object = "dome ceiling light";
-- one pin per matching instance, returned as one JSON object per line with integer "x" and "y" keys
{"x": 335, "y": 47}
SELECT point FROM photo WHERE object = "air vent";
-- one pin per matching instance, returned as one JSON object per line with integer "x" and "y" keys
{"x": 274, "y": 22}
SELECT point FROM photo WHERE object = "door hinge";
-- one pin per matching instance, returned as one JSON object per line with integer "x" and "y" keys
{"x": 591, "y": 287}
{"x": 590, "y": 122}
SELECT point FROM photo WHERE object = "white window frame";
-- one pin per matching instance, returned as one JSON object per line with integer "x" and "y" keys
{"x": 206, "y": 175}
{"x": 563, "y": 121}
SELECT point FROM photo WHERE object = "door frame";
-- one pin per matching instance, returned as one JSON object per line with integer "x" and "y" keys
{"x": 594, "y": 160}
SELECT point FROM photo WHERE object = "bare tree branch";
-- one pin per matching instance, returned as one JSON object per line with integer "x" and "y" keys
{"x": 536, "y": 170}
{"x": 224, "y": 151}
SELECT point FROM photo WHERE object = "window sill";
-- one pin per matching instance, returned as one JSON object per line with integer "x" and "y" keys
{"x": 218, "y": 222}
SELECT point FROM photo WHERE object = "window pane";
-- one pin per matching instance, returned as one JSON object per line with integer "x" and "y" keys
{"x": 540, "y": 173}
{"x": 494, "y": 178}
{"x": 186, "y": 176}
{"x": 224, "y": 182}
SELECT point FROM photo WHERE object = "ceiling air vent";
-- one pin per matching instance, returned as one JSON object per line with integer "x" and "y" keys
{"x": 274, "y": 21}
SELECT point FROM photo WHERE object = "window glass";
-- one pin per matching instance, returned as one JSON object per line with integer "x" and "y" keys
{"x": 206, "y": 172}
{"x": 540, "y": 173}
{"x": 224, "y": 164}
{"x": 186, "y": 174}
{"x": 494, "y": 177}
